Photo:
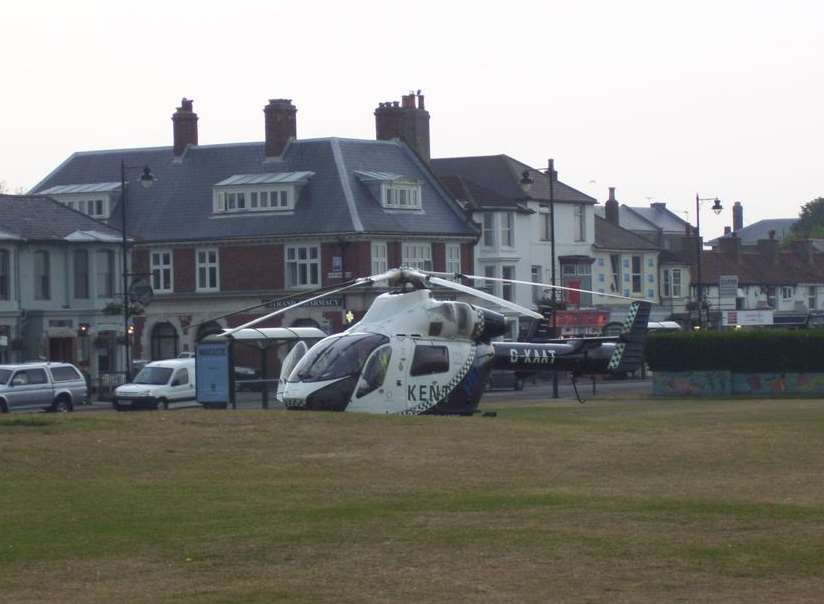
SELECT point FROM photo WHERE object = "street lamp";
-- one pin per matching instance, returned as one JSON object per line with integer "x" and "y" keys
{"x": 526, "y": 181}
{"x": 716, "y": 207}
{"x": 146, "y": 179}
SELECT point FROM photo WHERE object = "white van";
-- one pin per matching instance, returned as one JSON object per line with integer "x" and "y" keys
{"x": 159, "y": 384}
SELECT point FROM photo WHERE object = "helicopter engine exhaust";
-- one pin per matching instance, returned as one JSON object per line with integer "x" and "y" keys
{"x": 490, "y": 325}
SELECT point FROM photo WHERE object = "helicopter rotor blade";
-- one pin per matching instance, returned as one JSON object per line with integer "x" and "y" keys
{"x": 550, "y": 286}
{"x": 485, "y": 296}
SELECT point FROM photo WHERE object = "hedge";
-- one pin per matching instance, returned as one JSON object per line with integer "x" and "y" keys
{"x": 796, "y": 351}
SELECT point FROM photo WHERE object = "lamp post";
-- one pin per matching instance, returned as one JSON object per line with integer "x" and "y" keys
{"x": 526, "y": 181}
{"x": 146, "y": 180}
{"x": 716, "y": 207}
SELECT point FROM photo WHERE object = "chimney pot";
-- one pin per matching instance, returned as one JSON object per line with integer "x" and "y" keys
{"x": 737, "y": 216}
{"x": 184, "y": 127}
{"x": 611, "y": 209}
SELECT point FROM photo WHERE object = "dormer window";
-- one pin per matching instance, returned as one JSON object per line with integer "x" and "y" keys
{"x": 394, "y": 191}
{"x": 94, "y": 199}
{"x": 259, "y": 192}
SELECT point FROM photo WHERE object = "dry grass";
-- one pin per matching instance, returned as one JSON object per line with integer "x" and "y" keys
{"x": 619, "y": 501}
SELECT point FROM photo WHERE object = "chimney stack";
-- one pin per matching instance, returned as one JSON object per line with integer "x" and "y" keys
{"x": 281, "y": 125}
{"x": 407, "y": 120}
{"x": 727, "y": 231}
{"x": 611, "y": 208}
{"x": 730, "y": 246}
{"x": 184, "y": 127}
{"x": 737, "y": 216}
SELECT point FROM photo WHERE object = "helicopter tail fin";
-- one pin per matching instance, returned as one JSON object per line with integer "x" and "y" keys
{"x": 629, "y": 351}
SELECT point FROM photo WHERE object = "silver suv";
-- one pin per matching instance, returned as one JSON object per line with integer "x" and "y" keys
{"x": 53, "y": 386}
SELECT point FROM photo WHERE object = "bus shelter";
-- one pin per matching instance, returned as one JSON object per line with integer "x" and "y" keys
{"x": 245, "y": 365}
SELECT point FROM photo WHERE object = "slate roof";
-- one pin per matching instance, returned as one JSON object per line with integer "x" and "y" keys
{"x": 40, "y": 218}
{"x": 652, "y": 219}
{"x": 612, "y": 237}
{"x": 178, "y": 207}
{"x": 497, "y": 178}
{"x": 754, "y": 268}
{"x": 750, "y": 234}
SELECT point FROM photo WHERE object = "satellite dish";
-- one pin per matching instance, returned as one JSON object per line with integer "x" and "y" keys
{"x": 141, "y": 292}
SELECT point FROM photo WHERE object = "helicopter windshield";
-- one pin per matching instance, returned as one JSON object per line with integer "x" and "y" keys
{"x": 336, "y": 357}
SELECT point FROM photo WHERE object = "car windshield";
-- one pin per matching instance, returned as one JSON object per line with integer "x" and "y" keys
{"x": 155, "y": 376}
{"x": 5, "y": 374}
{"x": 336, "y": 357}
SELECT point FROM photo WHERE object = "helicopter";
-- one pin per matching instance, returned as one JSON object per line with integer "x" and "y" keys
{"x": 412, "y": 354}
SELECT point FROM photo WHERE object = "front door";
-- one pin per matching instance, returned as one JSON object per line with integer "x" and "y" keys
{"x": 61, "y": 350}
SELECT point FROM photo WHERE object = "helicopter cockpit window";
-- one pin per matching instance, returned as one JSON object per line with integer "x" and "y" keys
{"x": 336, "y": 357}
{"x": 375, "y": 371}
{"x": 430, "y": 359}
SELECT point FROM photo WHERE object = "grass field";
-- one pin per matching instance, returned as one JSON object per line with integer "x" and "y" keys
{"x": 614, "y": 501}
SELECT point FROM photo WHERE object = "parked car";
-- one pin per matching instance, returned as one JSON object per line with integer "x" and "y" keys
{"x": 50, "y": 386}
{"x": 159, "y": 384}
{"x": 505, "y": 380}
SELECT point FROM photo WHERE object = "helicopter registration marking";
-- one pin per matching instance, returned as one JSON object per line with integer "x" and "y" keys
{"x": 532, "y": 356}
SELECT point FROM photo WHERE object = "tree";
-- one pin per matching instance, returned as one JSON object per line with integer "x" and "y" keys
{"x": 810, "y": 223}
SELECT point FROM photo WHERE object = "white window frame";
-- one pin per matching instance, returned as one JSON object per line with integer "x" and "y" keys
{"x": 104, "y": 275}
{"x": 380, "y": 257}
{"x": 488, "y": 229}
{"x": 677, "y": 283}
{"x": 491, "y": 270}
{"x": 812, "y": 297}
{"x": 416, "y": 254}
{"x": 163, "y": 281}
{"x": 545, "y": 212}
{"x": 6, "y": 266}
{"x": 210, "y": 268}
{"x": 508, "y": 289}
{"x": 508, "y": 229}
{"x": 639, "y": 275}
{"x": 453, "y": 258}
{"x": 580, "y": 222}
{"x": 231, "y": 200}
{"x": 401, "y": 195}
{"x": 303, "y": 273}
{"x": 787, "y": 292}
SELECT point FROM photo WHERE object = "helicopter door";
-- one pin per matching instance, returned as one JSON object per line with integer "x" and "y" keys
{"x": 382, "y": 384}
{"x": 289, "y": 363}
{"x": 429, "y": 376}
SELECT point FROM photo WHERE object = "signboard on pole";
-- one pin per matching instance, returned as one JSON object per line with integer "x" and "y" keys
{"x": 212, "y": 372}
{"x": 727, "y": 291}
{"x": 731, "y": 318}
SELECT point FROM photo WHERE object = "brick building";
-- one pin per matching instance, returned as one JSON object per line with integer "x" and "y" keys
{"x": 230, "y": 226}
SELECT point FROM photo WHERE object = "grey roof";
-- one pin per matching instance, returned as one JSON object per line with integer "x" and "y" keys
{"x": 267, "y": 178}
{"x": 664, "y": 219}
{"x": 631, "y": 220}
{"x": 502, "y": 174}
{"x": 750, "y": 234}
{"x": 95, "y": 187}
{"x": 612, "y": 237}
{"x": 39, "y": 218}
{"x": 178, "y": 207}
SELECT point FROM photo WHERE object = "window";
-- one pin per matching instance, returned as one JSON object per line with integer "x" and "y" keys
{"x": 65, "y": 374}
{"x": 535, "y": 277}
{"x": 636, "y": 274}
{"x": 164, "y": 341}
{"x": 546, "y": 222}
{"x": 162, "y": 271}
{"x": 429, "y": 360}
{"x": 207, "y": 270}
{"x": 104, "y": 265}
{"x": 489, "y": 229}
{"x": 615, "y": 261}
{"x": 490, "y": 286}
{"x": 508, "y": 229}
{"x": 417, "y": 255}
{"x": 453, "y": 258}
{"x": 580, "y": 222}
{"x": 5, "y": 275}
{"x": 676, "y": 283}
{"x": 374, "y": 372}
{"x": 181, "y": 378}
{"x": 260, "y": 199}
{"x": 380, "y": 262}
{"x": 787, "y": 293}
{"x": 771, "y": 297}
{"x": 42, "y": 277}
{"x": 404, "y": 196}
{"x": 812, "y": 297}
{"x": 302, "y": 266}
{"x": 81, "y": 274}
{"x": 507, "y": 289}
{"x": 30, "y": 376}
{"x": 667, "y": 284}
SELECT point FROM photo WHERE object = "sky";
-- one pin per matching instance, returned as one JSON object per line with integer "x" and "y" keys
{"x": 663, "y": 100}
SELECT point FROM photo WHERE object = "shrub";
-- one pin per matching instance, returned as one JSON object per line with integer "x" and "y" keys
{"x": 770, "y": 351}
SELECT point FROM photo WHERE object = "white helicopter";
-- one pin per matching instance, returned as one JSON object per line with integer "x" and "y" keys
{"x": 412, "y": 354}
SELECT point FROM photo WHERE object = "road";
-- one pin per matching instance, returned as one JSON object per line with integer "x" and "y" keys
{"x": 532, "y": 393}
